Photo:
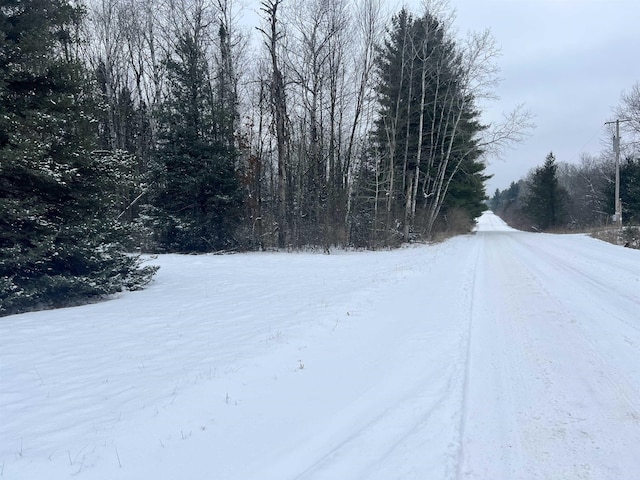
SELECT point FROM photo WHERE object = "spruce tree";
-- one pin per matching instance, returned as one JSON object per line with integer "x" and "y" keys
{"x": 629, "y": 191}
{"x": 546, "y": 201}
{"x": 59, "y": 244}
{"x": 467, "y": 191}
{"x": 427, "y": 123}
{"x": 197, "y": 197}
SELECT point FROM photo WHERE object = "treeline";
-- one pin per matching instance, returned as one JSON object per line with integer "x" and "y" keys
{"x": 571, "y": 197}
{"x": 318, "y": 133}
{"x": 560, "y": 195}
{"x": 162, "y": 126}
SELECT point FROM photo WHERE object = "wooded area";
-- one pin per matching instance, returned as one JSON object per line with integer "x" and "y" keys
{"x": 564, "y": 196}
{"x": 166, "y": 126}
{"x": 576, "y": 196}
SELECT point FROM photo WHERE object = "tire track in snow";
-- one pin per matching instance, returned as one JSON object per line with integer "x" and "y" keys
{"x": 616, "y": 303}
{"x": 417, "y": 404}
{"x": 567, "y": 425}
{"x": 589, "y": 274}
{"x": 550, "y": 398}
{"x": 393, "y": 422}
{"x": 581, "y": 339}
{"x": 479, "y": 245}
{"x": 490, "y": 408}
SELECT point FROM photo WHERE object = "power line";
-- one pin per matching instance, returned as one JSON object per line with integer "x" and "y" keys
{"x": 616, "y": 149}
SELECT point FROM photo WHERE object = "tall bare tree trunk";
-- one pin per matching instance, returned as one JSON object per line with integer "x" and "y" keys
{"x": 279, "y": 105}
{"x": 412, "y": 186}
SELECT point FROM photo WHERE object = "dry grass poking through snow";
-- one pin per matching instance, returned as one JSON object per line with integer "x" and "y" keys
{"x": 627, "y": 237}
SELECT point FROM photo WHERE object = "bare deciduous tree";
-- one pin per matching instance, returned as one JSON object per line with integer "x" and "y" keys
{"x": 273, "y": 35}
{"x": 629, "y": 107}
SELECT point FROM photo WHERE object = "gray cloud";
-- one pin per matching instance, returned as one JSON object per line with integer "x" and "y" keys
{"x": 569, "y": 61}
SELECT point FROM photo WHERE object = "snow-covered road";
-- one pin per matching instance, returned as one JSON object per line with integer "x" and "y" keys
{"x": 498, "y": 355}
{"x": 553, "y": 387}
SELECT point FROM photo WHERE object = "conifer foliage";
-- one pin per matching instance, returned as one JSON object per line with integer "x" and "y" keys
{"x": 197, "y": 196}
{"x": 629, "y": 191}
{"x": 546, "y": 202}
{"x": 426, "y": 136}
{"x": 59, "y": 243}
{"x": 150, "y": 122}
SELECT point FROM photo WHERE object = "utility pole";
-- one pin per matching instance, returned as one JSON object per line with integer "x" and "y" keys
{"x": 616, "y": 149}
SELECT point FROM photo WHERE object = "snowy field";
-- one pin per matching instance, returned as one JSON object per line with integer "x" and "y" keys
{"x": 496, "y": 355}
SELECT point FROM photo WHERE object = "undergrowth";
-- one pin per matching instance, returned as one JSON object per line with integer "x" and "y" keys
{"x": 627, "y": 237}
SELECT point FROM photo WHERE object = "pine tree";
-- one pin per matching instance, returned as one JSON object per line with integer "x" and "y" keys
{"x": 629, "y": 191}
{"x": 466, "y": 194}
{"x": 545, "y": 203}
{"x": 506, "y": 200}
{"x": 59, "y": 244}
{"x": 426, "y": 131}
{"x": 198, "y": 197}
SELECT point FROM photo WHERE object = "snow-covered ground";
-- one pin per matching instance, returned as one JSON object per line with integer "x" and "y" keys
{"x": 497, "y": 355}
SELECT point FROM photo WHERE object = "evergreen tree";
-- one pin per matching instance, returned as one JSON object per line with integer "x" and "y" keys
{"x": 496, "y": 202}
{"x": 467, "y": 190}
{"x": 198, "y": 196}
{"x": 426, "y": 131}
{"x": 509, "y": 205}
{"x": 59, "y": 244}
{"x": 629, "y": 191}
{"x": 507, "y": 200}
{"x": 545, "y": 203}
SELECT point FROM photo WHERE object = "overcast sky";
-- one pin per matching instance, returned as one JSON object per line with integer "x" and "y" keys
{"x": 568, "y": 61}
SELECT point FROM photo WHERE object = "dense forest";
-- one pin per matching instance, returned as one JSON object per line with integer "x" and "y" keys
{"x": 147, "y": 126}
